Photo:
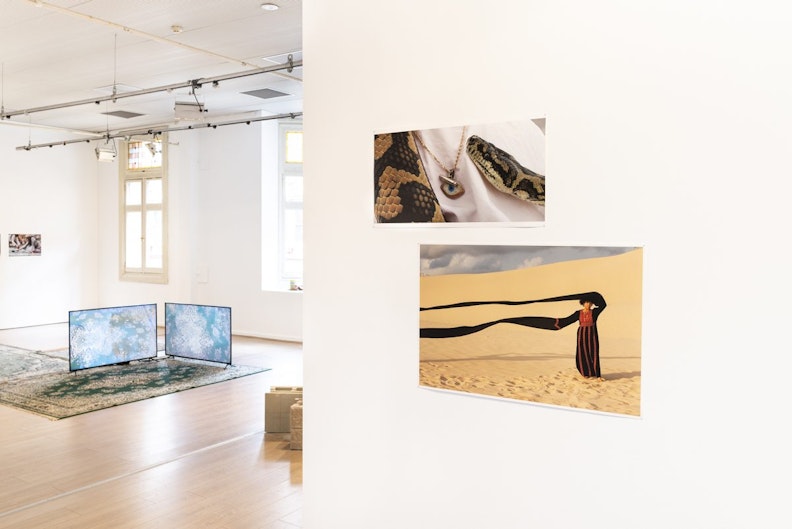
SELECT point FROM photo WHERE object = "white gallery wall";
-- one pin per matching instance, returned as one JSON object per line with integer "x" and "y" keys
{"x": 226, "y": 230}
{"x": 51, "y": 192}
{"x": 215, "y": 211}
{"x": 667, "y": 128}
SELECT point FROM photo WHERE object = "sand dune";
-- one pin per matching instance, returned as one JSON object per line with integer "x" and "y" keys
{"x": 536, "y": 365}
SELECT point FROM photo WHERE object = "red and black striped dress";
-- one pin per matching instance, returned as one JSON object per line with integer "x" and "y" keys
{"x": 587, "y": 352}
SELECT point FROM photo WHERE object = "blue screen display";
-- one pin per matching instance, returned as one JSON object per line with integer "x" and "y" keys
{"x": 201, "y": 332}
{"x": 112, "y": 335}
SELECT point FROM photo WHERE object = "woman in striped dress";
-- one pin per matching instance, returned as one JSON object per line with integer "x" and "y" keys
{"x": 587, "y": 348}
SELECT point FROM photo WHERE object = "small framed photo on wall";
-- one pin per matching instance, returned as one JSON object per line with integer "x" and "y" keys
{"x": 24, "y": 244}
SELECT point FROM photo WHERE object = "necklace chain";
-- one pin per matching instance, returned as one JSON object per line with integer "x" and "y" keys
{"x": 450, "y": 172}
{"x": 449, "y": 185}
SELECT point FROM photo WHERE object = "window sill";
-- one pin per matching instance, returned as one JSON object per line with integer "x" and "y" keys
{"x": 159, "y": 279}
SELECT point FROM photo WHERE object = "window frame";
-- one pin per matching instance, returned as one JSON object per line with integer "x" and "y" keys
{"x": 142, "y": 274}
{"x": 287, "y": 170}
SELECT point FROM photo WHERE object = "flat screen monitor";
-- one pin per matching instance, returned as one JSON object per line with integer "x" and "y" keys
{"x": 200, "y": 332}
{"x": 112, "y": 335}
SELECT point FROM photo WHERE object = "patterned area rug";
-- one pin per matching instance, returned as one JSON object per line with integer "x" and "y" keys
{"x": 20, "y": 363}
{"x": 43, "y": 385}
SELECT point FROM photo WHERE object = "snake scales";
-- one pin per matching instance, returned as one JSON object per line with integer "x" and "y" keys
{"x": 402, "y": 189}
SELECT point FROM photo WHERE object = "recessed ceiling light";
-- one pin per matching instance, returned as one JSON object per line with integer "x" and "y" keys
{"x": 270, "y": 7}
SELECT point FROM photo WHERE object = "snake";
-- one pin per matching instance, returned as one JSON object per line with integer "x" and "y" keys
{"x": 402, "y": 192}
{"x": 402, "y": 189}
{"x": 504, "y": 172}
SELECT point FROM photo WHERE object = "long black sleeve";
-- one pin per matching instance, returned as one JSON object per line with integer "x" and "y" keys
{"x": 595, "y": 297}
{"x": 599, "y": 303}
{"x": 539, "y": 322}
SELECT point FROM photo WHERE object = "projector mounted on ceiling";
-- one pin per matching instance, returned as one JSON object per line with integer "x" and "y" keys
{"x": 188, "y": 111}
{"x": 106, "y": 152}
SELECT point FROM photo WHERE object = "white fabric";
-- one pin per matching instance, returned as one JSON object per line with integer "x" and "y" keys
{"x": 482, "y": 202}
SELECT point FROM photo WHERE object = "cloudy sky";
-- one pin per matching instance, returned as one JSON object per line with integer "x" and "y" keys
{"x": 479, "y": 259}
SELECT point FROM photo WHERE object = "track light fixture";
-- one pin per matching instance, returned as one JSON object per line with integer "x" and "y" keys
{"x": 155, "y": 145}
{"x": 127, "y": 134}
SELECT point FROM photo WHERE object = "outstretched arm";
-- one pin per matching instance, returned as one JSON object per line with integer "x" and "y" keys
{"x": 597, "y": 299}
{"x": 599, "y": 303}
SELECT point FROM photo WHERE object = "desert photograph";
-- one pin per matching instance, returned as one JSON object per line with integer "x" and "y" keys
{"x": 554, "y": 325}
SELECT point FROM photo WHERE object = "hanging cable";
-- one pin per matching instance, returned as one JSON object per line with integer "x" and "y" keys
{"x": 115, "y": 65}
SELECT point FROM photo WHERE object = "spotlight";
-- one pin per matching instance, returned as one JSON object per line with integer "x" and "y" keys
{"x": 153, "y": 147}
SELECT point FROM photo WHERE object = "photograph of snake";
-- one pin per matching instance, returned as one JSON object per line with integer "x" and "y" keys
{"x": 470, "y": 173}
{"x": 556, "y": 325}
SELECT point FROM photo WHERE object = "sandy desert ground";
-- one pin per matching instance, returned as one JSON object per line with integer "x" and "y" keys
{"x": 537, "y": 365}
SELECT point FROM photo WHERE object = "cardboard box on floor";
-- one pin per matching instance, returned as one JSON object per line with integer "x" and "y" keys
{"x": 296, "y": 425}
{"x": 277, "y": 408}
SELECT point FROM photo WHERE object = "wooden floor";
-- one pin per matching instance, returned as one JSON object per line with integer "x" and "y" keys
{"x": 194, "y": 459}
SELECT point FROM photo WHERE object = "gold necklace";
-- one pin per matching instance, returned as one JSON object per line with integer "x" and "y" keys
{"x": 450, "y": 185}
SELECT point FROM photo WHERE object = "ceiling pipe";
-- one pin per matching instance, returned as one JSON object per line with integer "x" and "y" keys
{"x": 50, "y": 127}
{"x": 195, "y": 83}
{"x": 154, "y": 131}
{"x": 156, "y": 38}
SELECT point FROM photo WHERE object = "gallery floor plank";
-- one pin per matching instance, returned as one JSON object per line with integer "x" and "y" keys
{"x": 197, "y": 458}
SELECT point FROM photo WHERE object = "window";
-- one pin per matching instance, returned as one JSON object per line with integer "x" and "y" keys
{"x": 281, "y": 205}
{"x": 290, "y": 247}
{"x": 143, "y": 178}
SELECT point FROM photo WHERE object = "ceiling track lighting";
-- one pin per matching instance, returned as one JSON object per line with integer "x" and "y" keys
{"x": 154, "y": 147}
{"x": 192, "y": 84}
{"x": 156, "y": 132}
{"x": 51, "y": 128}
